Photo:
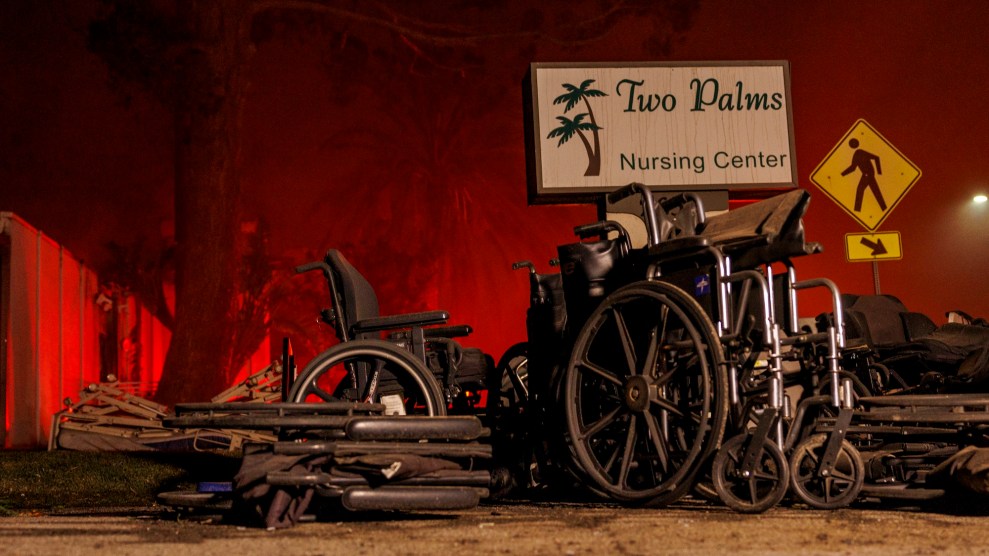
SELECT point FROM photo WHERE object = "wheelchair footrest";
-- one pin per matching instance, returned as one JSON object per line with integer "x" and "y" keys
{"x": 410, "y": 498}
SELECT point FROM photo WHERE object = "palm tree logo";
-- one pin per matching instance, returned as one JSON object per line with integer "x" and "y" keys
{"x": 577, "y": 125}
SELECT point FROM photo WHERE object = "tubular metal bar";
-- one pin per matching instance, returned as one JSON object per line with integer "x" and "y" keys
{"x": 836, "y": 332}
{"x": 791, "y": 275}
{"x": 260, "y": 422}
{"x": 771, "y": 337}
{"x": 414, "y": 428}
{"x": 839, "y": 315}
{"x": 847, "y": 393}
{"x": 446, "y": 478}
{"x": 723, "y": 269}
{"x": 910, "y": 401}
{"x": 649, "y": 213}
{"x": 772, "y": 293}
{"x": 776, "y": 395}
{"x": 346, "y": 448}
{"x": 767, "y": 312}
{"x": 411, "y": 498}
{"x": 833, "y": 368}
{"x": 286, "y": 408}
{"x": 798, "y": 421}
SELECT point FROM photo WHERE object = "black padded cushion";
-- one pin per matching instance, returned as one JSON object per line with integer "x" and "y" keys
{"x": 876, "y": 319}
{"x": 764, "y": 232}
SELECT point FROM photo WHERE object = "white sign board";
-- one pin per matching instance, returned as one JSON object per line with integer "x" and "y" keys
{"x": 703, "y": 126}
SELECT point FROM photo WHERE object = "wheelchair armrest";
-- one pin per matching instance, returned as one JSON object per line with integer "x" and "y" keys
{"x": 678, "y": 246}
{"x": 392, "y": 322}
{"x": 448, "y": 331}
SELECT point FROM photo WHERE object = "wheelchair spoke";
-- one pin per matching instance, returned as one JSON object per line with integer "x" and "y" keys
{"x": 321, "y": 393}
{"x": 610, "y": 463}
{"x": 626, "y": 338}
{"x": 600, "y": 371}
{"x": 753, "y": 490}
{"x": 652, "y": 355}
{"x": 666, "y": 405}
{"x": 844, "y": 478}
{"x": 664, "y": 319}
{"x": 764, "y": 476}
{"x": 627, "y": 455}
{"x": 659, "y": 441}
{"x": 600, "y": 424}
{"x": 685, "y": 363}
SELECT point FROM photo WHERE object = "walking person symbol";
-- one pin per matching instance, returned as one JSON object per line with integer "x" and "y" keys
{"x": 862, "y": 160}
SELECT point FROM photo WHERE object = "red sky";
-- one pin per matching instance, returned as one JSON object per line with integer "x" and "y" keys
{"x": 328, "y": 165}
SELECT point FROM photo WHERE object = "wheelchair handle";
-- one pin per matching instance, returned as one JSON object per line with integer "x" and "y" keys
{"x": 524, "y": 264}
{"x": 626, "y": 191}
{"x": 678, "y": 201}
{"x": 648, "y": 208}
{"x": 601, "y": 229}
{"x": 315, "y": 265}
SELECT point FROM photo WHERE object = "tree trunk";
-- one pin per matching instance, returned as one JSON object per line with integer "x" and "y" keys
{"x": 210, "y": 90}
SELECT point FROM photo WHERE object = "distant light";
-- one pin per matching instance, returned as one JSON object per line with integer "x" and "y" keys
{"x": 980, "y": 199}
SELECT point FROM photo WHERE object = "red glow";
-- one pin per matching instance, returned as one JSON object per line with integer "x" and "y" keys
{"x": 418, "y": 174}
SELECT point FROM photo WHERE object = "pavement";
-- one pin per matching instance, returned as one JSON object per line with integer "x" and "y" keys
{"x": 512, "y": 528}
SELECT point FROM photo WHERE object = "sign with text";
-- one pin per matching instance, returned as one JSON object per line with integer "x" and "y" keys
{"x": 866, "y": 175}
{"x": 880, "y": 246}
{"x": 702, "y": 126}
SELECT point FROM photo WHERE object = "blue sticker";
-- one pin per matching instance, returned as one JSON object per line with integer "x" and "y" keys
{"x": 702, "y": 285}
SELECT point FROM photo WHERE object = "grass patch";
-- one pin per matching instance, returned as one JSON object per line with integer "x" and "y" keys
{"x": 35, "y": 480}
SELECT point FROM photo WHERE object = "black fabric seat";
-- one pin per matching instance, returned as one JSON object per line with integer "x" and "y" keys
{"x": 912, "y": 345}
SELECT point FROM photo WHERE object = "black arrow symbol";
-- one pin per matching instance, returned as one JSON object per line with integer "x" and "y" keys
{"x": 877, "y": 248}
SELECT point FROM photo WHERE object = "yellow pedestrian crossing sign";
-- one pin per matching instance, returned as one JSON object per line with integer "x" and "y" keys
{"x": 866, "y": 175}
{"x": 880, "y": 246}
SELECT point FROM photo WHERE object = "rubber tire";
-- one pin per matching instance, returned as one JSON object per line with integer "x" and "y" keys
{"x": 400, "y": 359}
{"x": 696, "y": 445}
{"x": 809, "y": 489}
{"x": 725, "y": 480}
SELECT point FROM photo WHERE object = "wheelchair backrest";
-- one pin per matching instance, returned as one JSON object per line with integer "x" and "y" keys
{"x": 883, "y": 320}
{"x": 762, "y": 233}
{"x": 353, "y": 296}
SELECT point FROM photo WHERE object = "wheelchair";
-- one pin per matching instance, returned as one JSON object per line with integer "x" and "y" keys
{"x": 409, "y": 362}
{"x": 668, "y": 348}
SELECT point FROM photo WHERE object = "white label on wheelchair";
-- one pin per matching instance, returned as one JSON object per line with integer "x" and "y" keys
{"x": 394, "y": 405}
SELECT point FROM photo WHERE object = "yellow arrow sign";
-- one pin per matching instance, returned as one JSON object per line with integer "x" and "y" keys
{"x": 873, "y": 247}
{"x": 866, "y": 175}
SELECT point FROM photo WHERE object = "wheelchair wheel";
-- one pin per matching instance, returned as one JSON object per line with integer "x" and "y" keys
{"x": 760, "y": 490}
{"x": 370, "y": 371}
{"x": 645, "y": 393}
{"x": 513, "y": 376}
{"x": 837, "y": 490}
